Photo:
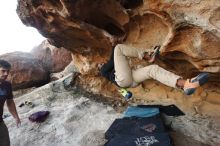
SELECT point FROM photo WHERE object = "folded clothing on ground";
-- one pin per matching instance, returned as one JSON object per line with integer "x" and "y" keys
{"x": 133, "y": 111}
{"x": 169, "y": 110}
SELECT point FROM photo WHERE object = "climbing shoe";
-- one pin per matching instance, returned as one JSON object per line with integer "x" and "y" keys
{"x": 191, "y": 84}
{"x": 125, "y": 93}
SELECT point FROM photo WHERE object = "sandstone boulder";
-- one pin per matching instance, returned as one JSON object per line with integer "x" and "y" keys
{"x": 26, "y": 71}
{"x": 54, "y": 59}
{"x": 188, "y": 31}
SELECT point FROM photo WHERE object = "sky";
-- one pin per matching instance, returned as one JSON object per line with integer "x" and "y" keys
{"x": 14, "y": 35}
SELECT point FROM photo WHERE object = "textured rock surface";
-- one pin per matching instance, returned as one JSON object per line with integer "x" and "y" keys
{"x": 188, "y": 31}
{"x": 191, "y": 28}
{"x": 68, "y": 69}
{"x": 72, "y": 121}
{"x": 202, "y": 109}
{"x": 26, "y": 70}
{"x": 54, "y": 59}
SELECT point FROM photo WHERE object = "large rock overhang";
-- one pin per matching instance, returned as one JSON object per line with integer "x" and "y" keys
{"x": 90, "y": 27}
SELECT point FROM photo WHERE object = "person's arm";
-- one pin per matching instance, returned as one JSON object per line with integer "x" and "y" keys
{"x": 12, "y": 110}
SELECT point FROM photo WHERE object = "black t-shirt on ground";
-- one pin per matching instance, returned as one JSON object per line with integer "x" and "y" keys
{"x": 5, "y": 93}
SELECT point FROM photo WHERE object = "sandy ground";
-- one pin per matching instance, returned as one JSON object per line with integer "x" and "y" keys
{"x": 75, "y": 119}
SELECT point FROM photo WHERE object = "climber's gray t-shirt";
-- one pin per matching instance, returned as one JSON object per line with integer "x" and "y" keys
{"x": 5, "y": 93}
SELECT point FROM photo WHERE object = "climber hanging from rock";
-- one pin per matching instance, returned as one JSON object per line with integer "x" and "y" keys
{"x": 118, "y": 71}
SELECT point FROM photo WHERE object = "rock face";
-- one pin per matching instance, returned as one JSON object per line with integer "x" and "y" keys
{"x": 26, "y": 70}
{"x": 54, "y": 59}
{"x": 188, "y": 31}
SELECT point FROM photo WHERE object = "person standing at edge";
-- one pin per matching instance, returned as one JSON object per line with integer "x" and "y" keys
{"x": 6, "y": 96}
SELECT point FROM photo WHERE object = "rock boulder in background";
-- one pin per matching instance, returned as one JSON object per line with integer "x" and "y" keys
{"x": 26, "y": 71}
{"x": 54, "y": 59}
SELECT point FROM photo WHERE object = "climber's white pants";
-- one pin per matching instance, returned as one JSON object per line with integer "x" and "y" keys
{"x": 127, "y": 77}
